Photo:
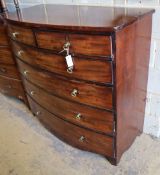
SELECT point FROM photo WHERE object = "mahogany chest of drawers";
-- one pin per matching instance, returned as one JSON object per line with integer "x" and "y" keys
{"x": 10, "y": 82}
{"x": 85, "y": 72}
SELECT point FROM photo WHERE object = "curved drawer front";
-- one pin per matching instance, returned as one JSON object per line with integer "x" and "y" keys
{"x": 86, "y": 69}
{"x": 24, "y": 35}
{"x": 6, "y": 56}
{"x": 98, "y": 120}
{"x": 98, "y": 96}
{"x": 72, "y": 134}
{"x": 9, "y": 71}
{"x": 12, "y": 87}
{"x": 80, "y": 44}
{"x": 3, "y": 36}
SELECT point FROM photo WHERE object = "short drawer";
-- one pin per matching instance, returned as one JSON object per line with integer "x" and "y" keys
{"x": 6, "y": 56}
{"x": 86, "y": 69}
{"x": 3, "y": 36}
{"x": 91, "y": 45}
{"x": 85, "y": 93}
{"x": 80, "y": 44}
{"x": 72, "y": 134}
{"x": 9, "y": 71}
{"x": 12, "y": 87}
{"x": 24, "y": 35}
{"x": 95, "y": 119}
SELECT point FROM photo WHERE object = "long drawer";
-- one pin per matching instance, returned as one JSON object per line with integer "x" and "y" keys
{"x": 80, "y": 44}
{"x": 12, "y": 87}
{"x": 72, "y": 134}
{"x": 90, "y": 94}
{"x": 9, "y": 71}
{"x": 6, "y": 56}
{"x": 97, "y": 70}
{"x": 98, "y": 120}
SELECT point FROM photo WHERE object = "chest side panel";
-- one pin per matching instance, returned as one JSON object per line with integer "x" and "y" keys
{"x": 132, "y": 62}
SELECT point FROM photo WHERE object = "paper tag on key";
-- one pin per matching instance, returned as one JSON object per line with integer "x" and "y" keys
{"x": 69, "y": 61}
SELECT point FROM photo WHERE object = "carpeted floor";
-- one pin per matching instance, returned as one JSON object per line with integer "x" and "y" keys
{"x": 27, "y": 148}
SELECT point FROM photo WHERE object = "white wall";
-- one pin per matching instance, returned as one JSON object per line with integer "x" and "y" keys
{"x": 152, "y": 115}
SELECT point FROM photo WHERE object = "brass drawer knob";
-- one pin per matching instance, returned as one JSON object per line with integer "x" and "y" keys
{"x": 15, "y": 34}
{"x": 78, "y": 116}
{"x": 65, "y": 48}
{"x": 9, "y": 87}
{"x": 25, "y": 72}
{"x": 32, "y": 93}
{"x": 20, "y": 97}
{"x": 66, "y": 45}
{"x": 3, "y": 70}
{"x": 70, "y": 70}
{"x": 82, "y": 139}
{"x": 20, "y": 53}
{"x": 38, "y": 113}
{"x": 74, "y": 93}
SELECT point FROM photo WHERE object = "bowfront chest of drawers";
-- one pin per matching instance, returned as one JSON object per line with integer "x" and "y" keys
{"x": 10, "y": 82}
{"x": 85, "y": 77}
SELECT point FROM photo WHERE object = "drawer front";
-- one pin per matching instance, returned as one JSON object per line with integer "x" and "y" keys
{"x": 51, "y": 40}
{"x": 72, "y": 134}
{"x": 90, "y": 94}
{"x": 9, "y": 71}
{"x": 89, "y": 45}
{"x": 86, "y": 69}
{"x": 6, "y": 56}
{"x": 3, "y": 36}
{"x": 12, "y": 87}
{"x": 98, "y": 120}
{"x": 24, "y": 35}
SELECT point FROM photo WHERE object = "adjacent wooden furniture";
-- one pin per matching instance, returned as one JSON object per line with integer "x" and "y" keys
{"x": 85, "y": 72}
{"x": 10, "y": 81}
{"x": 3, "y": 6}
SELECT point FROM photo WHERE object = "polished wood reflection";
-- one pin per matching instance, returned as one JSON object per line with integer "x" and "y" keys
{"x": 95, "y": 100}
{"x": 82, "y": 18}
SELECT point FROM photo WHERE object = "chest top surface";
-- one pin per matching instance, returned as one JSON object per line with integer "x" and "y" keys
{"x": 78, "y": 17}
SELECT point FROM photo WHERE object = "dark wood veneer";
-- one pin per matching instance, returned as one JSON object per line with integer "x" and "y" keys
{"x": 98, "y": 96}
{"x": 93, "y": 141}
{"x": 6, "y": 56}
{"x": 3, "y": 36}
{"x": 12, "y": 87}
{"x": 80, "y": 44}
{"x": 9, "y": 71}
{"x": 97, "y": 70}
{"x": 10, "y": 83}
{"x": 24, "y": 35}
{"x": 98, "y": 120}
{"x": 131, "y": 86}
{"x": 111, "y": 58}
{"x": 78, "y": 18}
